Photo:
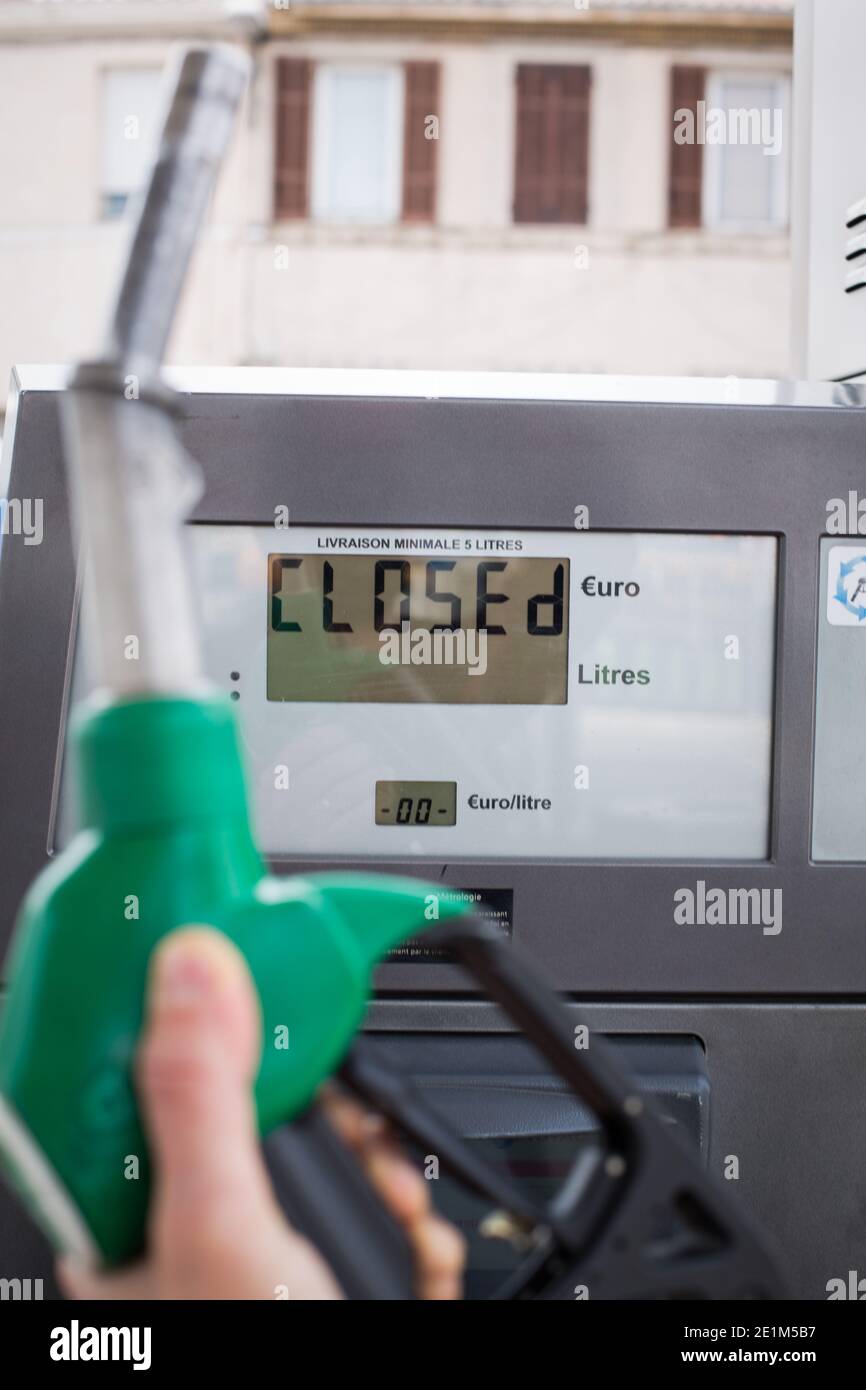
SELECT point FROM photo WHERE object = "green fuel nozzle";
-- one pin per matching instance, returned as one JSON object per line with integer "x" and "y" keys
{"x": 167, "y": 841}
{"x": 165, "y": 838}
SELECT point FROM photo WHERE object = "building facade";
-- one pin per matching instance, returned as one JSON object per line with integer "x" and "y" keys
{"x": 496, "y": 184}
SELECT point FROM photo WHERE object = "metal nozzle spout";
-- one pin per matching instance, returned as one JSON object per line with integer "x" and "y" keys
{"x": 205, "y": 94}
{"x": 132, "y": 483}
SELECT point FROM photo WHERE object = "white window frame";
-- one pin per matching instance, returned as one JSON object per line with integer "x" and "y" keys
{"x": 711, "y": 190}
{"x": 322, "y": 142}
{"x": 154, "y": 73}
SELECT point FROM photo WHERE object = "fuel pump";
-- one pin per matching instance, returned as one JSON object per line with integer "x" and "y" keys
{"x": 163, "y": 811}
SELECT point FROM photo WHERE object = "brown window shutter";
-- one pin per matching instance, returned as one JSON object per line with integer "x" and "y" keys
{"x": 552, "y": 157}
{"x": 419, "y": 151}
{"x": 685, "y": 198}
{"x": 292, "y": 137}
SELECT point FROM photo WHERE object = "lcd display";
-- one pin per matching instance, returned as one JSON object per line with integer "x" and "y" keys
{"x": 416, "y": 803}
{"x": 417, "y": 629}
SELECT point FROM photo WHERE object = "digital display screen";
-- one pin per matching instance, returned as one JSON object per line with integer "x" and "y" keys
{"x": 409, "y": 628}
{"x": 632, "y": 720}
{"x": 416, "y": 803}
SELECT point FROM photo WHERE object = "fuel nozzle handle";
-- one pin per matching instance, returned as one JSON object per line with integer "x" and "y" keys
{"x": 132, "y": 484}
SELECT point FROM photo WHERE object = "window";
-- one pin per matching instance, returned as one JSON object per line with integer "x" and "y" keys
{"x": 358, "y": 148}
{"x": 552, "y": 146}
{"x": 729, "y": 151}
{"x": 130, "y": 108}
{"x": 746, "y": 178}
{"x": 367, "y": 152}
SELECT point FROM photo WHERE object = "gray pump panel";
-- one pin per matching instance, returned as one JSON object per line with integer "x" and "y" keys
{"x": 729, "y": 963}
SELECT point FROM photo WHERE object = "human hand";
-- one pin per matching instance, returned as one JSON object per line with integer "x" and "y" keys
{"x": 215, "y": 1230}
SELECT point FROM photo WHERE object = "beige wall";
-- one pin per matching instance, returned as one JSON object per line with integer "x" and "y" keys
{"x": 474, "y": 291}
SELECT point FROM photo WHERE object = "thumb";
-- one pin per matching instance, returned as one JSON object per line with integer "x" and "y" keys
{"x": 198, "y": 1058}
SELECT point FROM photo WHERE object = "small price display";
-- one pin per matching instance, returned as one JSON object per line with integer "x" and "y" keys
{"x": 416, "y": 803}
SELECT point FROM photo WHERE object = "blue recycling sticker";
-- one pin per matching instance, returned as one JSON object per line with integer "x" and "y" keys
{"x": 849, "y": 595}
